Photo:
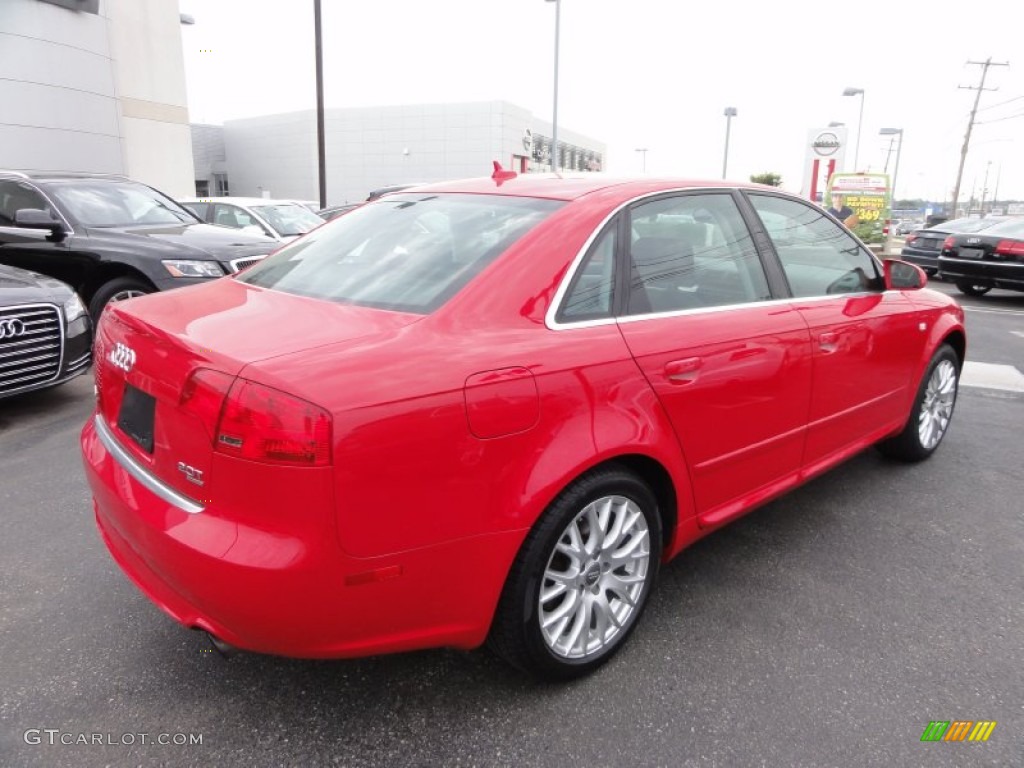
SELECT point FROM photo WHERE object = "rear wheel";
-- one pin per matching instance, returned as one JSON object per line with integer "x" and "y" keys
{"x": 972, "y": 289}
{"x": 582, "y": 578}
{"x": 118, "y": 289}
{"x": 932, "y": 410}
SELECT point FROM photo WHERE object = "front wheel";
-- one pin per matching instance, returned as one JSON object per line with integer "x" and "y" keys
{"x": 118, "y": 289}
{"x": 972, "y": 289}
{"x": 582, "y": 578}
{"x": 932, "y": 410}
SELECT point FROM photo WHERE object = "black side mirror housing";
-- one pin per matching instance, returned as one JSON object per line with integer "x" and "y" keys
{"x": 36, "y": 218}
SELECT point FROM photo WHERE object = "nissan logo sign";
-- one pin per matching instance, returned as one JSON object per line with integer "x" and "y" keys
{"x": 11, "y": 328}
{"x": 826, "y": 143}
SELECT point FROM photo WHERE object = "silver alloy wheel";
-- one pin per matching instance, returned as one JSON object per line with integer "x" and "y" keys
{"x": 937, "y": 406}
{"x": 595, "y": 577}
{"x": 128, "y": 293}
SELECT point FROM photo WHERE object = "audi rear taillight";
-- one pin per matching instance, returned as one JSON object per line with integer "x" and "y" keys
{"x": 264, "y": 424}
{"x": 1013, "y": 248}
{"x": 910, "y": 239}
{"x": 203, "y": 395}
{"x": 947, "y": 243}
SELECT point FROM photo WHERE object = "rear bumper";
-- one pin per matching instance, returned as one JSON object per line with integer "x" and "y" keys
{"x": 927, "y": 260}
{"x": 1008, "y": 275}
{"x": 291, "y": 592}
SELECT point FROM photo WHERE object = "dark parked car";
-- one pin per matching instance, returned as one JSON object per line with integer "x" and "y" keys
{"x": 993, "y": 258}
{"x": 922, "y": 246}
{"x": 45, "y": 332}
{"x": 110, "y": 238}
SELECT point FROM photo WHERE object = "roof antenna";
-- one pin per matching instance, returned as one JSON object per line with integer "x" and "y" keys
{"x": 500, "y": 175}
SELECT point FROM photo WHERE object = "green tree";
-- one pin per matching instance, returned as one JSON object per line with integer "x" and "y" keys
{"x": 769, "y": 178}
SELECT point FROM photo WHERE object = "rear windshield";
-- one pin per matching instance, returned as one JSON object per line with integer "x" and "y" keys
{"x": 1011, "y": 227}
{"x": 408, "y": 253}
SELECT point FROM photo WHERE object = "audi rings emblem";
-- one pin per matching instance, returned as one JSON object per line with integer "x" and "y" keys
{"x": 11, "y": 327}
{"x": 122, "y": 357}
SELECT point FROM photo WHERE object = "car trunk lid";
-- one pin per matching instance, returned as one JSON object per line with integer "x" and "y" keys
{"x": 165, "y": 362}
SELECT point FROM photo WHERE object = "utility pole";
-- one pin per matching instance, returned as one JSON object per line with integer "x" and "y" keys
{"x": 970, "y": 123}
{"x": 995, "y": 195}
{"x": 984, "y": 188}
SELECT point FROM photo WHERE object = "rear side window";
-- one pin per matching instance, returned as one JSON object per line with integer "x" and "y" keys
{"x": 408, "y": 253}
{"x": 691, "y": 252}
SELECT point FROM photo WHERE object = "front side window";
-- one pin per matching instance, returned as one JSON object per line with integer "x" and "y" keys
{"x": 117, "y": 204}
{"x": 408, "y": 253}
{"x": 288, "y": 220}
{"x": 17, "y": 196}
{"x": 234, "y": 217}
{"x": 691, "y": 252}
{"x": 818, "y": 256}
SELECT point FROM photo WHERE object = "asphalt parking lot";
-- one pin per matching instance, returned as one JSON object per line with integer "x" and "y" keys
{"x": 827, "y": 628}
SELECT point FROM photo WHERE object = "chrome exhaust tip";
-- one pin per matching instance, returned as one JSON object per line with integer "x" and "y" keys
{"x": 226, "y": 650}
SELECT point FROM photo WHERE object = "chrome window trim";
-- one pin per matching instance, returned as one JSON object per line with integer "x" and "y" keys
{"x": 140, "y": 473}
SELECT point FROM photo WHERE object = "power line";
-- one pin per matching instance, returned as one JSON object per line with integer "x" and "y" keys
{"x": 993, "y": 106}
{"x": 999, "y": 119}
{"x": 970, "y": 123}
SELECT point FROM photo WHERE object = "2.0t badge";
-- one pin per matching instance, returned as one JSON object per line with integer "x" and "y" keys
{"x": 122, "y": 356}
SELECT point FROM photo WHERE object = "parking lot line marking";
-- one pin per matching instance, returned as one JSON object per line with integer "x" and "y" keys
{"x": 992, "y": 376}
{"x": 993, "y": 310}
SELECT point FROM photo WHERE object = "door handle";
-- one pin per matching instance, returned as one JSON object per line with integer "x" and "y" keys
{"x": 683, "y": 371}
{"x": 828, "y": 342}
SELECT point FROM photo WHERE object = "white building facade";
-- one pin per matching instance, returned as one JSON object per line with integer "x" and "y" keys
{"x": 373, "y": 147}
{"x": 96, "y": 86}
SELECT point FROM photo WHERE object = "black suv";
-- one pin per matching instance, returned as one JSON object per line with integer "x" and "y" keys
{"x": 111, "y": 238}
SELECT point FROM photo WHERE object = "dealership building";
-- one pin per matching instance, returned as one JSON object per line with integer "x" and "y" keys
{"x": 372, "y": 147}
{"x": 96, "y": 86}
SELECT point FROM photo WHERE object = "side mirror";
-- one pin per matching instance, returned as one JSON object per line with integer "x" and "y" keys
{"x": 35, "y": 218}
{"x": 903, "y": 276}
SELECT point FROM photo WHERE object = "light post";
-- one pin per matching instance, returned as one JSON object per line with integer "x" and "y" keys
{"x": 321, "y": 152}
{"x": 860, "y": 124}
{"x": 643, "y": 154}
{"x": 554, "y": 110}
{"x": 730, "y": 113}
{"x": 895, "y": 174}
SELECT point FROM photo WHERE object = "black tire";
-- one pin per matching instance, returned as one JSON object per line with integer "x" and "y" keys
{"x": 909, "y": 445}
{"x": 516, "y": 633}
{"x": 969, "y": 288}
{"x": 112, "y": 288}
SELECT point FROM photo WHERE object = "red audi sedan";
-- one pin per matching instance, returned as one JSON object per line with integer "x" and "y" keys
{"x": 488, "y": 410}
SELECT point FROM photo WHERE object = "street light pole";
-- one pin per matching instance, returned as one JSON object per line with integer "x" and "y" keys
{"x": 321, "y": 152}
{"x": 730, "y": 113}
{"x": 643, "y": 154}
{"x": 860, "y": 124}
{"x": 895, "y": 174}
{"x": 554, "y": 110}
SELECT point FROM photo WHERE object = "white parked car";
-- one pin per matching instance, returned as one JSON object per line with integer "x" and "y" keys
{"x": 280, "y": 219}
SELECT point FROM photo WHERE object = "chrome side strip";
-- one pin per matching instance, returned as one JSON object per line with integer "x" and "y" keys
{"x": 140, "y": 473}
